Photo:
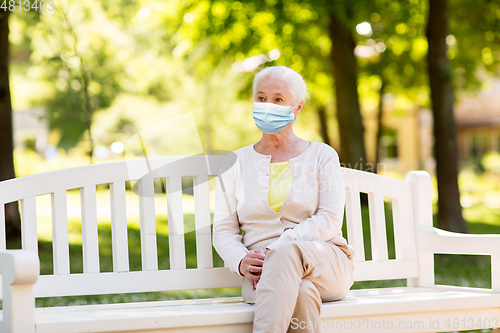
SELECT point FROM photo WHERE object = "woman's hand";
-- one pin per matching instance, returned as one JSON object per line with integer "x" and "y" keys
{"x": 251, "y": 265}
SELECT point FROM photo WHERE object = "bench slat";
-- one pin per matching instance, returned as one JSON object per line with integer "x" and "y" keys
{"x": 404, "y": 237}
{"x": 145, "y": 281}
{"x": 134, "y": 282}
{"x": 105, "y": 173}
{"x": 149, "y": 253}
{"x": 216, "y": 315}
{"x": 175, "y": 223}
{"x": 3, "y": 236}
{"x": 60, "y": 244}
{"x": 385, "y": 270}
{"x": 28, "y": 224}
{"x": 202, "y": 222}
{"x": 367, "y": 182}
{"x": 354, "y": 223}
{"x": 90, "y": 239}
{"x": 377, "y": 226}
{"x": 119, "y": 236}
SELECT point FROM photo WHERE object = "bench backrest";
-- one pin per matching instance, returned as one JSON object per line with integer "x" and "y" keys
{"x": 404, "y": 265}
{"x": 171, "y": 170}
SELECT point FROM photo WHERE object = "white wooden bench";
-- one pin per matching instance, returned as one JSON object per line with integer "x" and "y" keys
{"x": 422, "y": 306}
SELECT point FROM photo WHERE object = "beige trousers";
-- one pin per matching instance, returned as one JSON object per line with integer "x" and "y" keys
{"x": 296, "y": 278}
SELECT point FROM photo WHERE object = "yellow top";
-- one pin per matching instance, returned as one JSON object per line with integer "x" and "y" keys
{"x": 280, "y": 181}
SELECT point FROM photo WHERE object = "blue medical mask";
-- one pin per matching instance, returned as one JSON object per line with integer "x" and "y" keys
{"x": 271, "y": 118}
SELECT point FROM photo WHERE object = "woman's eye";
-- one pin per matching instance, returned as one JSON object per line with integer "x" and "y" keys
{"x": 262, "y": 99}
{"x": 279, "y": 100}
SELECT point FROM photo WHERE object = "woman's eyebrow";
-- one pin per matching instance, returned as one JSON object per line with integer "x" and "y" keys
{"x": 273, "y": 94}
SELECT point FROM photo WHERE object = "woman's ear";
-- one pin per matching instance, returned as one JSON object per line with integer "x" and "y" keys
{"x": 296, "y": 111}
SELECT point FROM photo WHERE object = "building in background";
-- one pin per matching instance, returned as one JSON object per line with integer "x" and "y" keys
{"x": 408, "y": 140}
{"x": 478, "y": 123}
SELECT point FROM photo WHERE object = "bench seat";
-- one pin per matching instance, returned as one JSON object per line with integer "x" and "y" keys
{"x": 405, "y": 304}
{"x": 165, "y": 316}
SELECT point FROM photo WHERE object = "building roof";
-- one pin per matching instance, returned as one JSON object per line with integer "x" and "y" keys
{"x": 481, "y": 110}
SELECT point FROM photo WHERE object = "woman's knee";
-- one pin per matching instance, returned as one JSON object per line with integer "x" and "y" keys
{"x": 309, "y": 293}
{"x": 284, "y": 252}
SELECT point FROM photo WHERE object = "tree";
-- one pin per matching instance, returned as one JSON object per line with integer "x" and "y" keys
{"x": 13, "y": 222}
{"x": 392, "y": 58}
{"x": 352, "y": 151}
{"x": 77, "y": 48}
{"x": 446, "y": 150}
{"x": 474, "y": 41}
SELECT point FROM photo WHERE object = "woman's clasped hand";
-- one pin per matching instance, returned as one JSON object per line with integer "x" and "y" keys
{"x": 251, "y": 265}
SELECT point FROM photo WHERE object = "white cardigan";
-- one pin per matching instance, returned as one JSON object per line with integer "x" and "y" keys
{"x": 313, "y": 209}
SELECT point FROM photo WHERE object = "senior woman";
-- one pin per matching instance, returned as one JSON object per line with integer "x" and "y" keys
{"x": 278, "y": 214}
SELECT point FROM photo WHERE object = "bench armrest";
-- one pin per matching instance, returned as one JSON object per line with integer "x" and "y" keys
{"x": 19, "y": 270}
{"x": 434, "y": 240}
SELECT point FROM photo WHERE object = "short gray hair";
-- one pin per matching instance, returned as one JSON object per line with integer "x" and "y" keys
{"x": 292, "y": 79}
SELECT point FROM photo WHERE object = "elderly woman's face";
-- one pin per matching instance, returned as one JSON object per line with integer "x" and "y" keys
{"x": 273, "y": 90}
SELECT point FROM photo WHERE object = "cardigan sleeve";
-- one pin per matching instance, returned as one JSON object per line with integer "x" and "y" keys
{"x": 326, "y": 222}
{"x": 226, "y": 235}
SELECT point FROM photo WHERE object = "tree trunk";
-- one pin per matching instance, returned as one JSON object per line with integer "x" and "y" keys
{"x": 13, "y": 222}
{"x": 445, "y": 148}
{"x": 323, "y": 124}
{"x": 352, "y": 144}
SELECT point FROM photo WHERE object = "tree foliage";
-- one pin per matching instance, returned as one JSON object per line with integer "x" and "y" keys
{"x": 78, "y": 51}
{"x": 474, "y": 42}
{"x": 248, "y": 32}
